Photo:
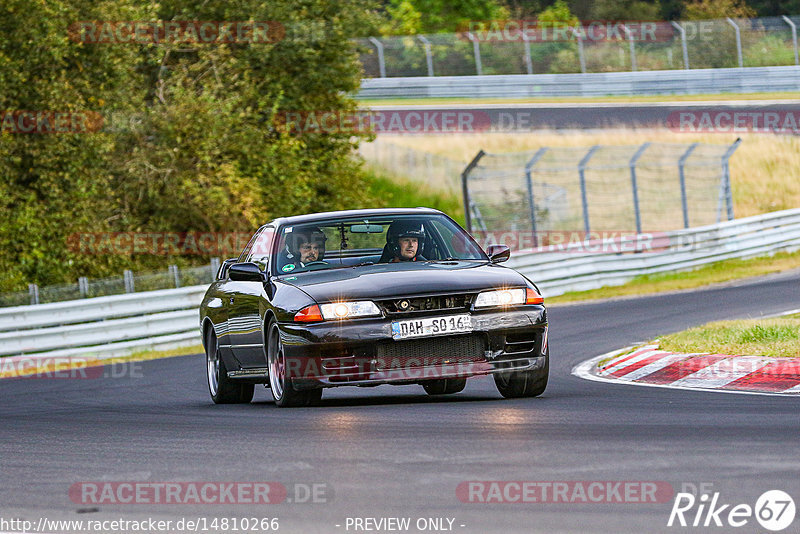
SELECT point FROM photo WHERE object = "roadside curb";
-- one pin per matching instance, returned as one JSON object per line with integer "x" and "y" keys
{"x": 648, "y": 366}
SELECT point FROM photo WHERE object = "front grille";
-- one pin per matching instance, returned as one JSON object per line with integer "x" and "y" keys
{"x": 431, "y": 351}
{"x": 408, "y": 306}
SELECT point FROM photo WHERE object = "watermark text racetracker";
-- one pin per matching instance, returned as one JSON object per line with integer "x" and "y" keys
{"x": 780, "y": 120}
{"x": 175, "y": 31}
{"x": 49, "y": 122}
{"x": 564, "y": 491}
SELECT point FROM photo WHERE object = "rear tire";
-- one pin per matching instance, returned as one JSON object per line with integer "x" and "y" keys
{"x": 445, "y": 386}
{"x": 280, "y": 384}
{"x": 223, "y": 390}
{"x": 516, "y": 384}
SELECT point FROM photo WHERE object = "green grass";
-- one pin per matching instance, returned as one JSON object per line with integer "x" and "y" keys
{"x": 579, "y": 99}
{"x": 396, "y": 192}
{"x": 723, "y": 271}
{"x": 778, "y": 337}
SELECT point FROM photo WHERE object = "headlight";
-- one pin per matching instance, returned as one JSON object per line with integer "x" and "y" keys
{"x": 349, "y": 310}
{"x": 501, "y": 297}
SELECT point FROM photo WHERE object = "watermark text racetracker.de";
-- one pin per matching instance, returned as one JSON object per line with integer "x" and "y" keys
{"x": 204, "y": 492}
{"x": 184, "y": 524}
{"x": 67, "y": 367}
{"x": 405, "y": 121}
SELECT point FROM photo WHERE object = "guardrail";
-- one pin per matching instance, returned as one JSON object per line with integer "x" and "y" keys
{"x": 696, "y": 81}
{"x": 560, "y": 269}
{"x": 103, "y": 327}
{"x": 111, "y": 326}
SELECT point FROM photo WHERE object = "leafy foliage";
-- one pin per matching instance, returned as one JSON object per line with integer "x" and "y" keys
{"x": 189, "y": 142}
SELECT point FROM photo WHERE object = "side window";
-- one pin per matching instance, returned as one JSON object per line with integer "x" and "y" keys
{"x": 262, "y": 248}
{"x": 249, "y": 246}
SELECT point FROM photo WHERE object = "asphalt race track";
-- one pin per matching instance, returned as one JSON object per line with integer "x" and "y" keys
{"x": 394, "y": 452}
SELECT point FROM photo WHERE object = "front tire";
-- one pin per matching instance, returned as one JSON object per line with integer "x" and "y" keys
{"x": 223, "y": 390}
{"x": 445, "y": 386}
{"x": 280, "y": 384}
{"x": 517, "y": 384}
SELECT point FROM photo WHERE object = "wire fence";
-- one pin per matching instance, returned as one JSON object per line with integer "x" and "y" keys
{"x": 129, "y": 282}
{"x": 648, "y": 187}
{"x": 590, "y": 47}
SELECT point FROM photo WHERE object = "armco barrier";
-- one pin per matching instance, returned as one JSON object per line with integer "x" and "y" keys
{"x": 103, "y": 327}
{"x": 663, "y": 82}
{"x": 574, "y": 270}
{"x": 111, "y": 326}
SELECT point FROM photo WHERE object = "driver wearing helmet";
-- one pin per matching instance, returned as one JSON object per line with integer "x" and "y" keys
{"x": 404, "y": 242}
{"x": 307, "y": 244}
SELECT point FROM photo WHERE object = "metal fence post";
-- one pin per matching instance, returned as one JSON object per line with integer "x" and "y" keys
{"x": 684, "y": 201}
{"x": 581, "y": 55}
{"x": 738, "y": 41}
{"x": 33, "y": 291}
{"x": 684, "y": 47}
{"x": 792, "y": 25}
{"x": 635, "y": 188}
{"x": 527, "y": 44}
{"x": 127, "y": 277}
{"x": 214, "y": 267}
{"x": 632, "y": 47}
{"x": 465, "y": 188}
{"x": 428, "y": 54}
{"x": 528, "y": 167}
{"x": 476, "y": 49}
{"x": 381, "y": 60}
{"x": 727, "y": 176}
{"x": 584, "y": 198}
{"x": 176, "y": 277}
{"x": 83, "y": 286}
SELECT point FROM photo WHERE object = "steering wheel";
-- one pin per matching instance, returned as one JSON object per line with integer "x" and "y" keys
{"x": 316, "y": 263}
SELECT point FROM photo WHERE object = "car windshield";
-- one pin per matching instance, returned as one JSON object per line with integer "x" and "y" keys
{"x": 353, "y": 242}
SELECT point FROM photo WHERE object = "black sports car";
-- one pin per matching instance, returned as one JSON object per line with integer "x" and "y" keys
{"x": 369, "y": 297}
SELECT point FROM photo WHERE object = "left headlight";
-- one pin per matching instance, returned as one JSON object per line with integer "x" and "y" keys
{"x": 349, "y": 310}
{"x": 507, "y": 297}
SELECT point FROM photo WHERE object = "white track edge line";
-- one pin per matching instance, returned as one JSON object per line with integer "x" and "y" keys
{"x": 583, "y": 370}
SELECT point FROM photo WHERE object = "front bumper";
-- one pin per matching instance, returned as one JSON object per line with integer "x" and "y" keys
{"x": 329, "y": 354}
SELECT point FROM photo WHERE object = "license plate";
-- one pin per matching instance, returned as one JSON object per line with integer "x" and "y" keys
{"x": 431, "y": 326}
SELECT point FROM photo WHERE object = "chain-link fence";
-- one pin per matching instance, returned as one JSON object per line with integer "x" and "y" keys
{"x": 127, "y": 283}
{"x": 648, "y": 187}
{"x": 593, "y": 47}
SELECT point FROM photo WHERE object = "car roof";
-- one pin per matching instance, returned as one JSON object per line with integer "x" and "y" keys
{"x": 377, "y": 212}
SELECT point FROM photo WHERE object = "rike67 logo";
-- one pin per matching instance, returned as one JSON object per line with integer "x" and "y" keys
{"x": 774, "y": 510}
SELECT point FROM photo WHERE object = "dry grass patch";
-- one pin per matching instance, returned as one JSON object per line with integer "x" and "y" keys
{"x": 762, "y": 337}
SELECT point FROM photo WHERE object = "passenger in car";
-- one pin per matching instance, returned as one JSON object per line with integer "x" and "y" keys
{"x": 404, "y": 242}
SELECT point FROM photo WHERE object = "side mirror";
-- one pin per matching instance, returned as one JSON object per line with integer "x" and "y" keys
{"x": 498, "y": 253}
{"x": 223, "y": 269}
{"x": 246, "y": 272}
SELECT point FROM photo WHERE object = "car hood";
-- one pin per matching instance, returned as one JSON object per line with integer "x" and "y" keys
{"x": 403, "y": 279}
